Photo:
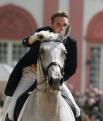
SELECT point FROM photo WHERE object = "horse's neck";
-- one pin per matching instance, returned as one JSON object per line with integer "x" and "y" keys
{"x": 52, "y": 107}
{"x": 48, "y": 99}
{"x": 47, "y": 104}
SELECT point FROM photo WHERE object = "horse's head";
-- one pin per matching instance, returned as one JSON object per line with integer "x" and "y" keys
{"x": 51, "y": 59}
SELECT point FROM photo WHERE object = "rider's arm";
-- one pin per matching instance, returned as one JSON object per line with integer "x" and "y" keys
{"x": 28, "y": 41}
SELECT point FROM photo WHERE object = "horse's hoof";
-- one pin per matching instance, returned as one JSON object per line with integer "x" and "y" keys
{"x": 7, "y": 118}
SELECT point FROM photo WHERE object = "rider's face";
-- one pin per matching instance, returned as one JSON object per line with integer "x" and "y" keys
{"x": 60, "y": 24}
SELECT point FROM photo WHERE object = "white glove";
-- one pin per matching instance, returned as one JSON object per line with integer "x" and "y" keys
{"x": 42, "y": 35}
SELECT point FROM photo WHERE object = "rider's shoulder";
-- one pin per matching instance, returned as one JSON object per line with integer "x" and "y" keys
{"x": 69, "y": 40}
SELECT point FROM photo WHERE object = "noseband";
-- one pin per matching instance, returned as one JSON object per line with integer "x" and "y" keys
{"x": 45, "y": 71}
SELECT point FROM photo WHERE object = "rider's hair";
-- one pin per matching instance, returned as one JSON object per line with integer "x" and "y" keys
{"x": 58, "y": 14}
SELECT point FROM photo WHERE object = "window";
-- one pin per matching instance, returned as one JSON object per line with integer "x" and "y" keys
{"x": 96, "y": 65}
{"x": 17, "y": 52}
{"x": 11, "y": 52}
{"x": 3, "y": 52}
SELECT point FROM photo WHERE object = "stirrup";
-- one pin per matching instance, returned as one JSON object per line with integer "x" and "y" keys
{"x": 7, "y": 118}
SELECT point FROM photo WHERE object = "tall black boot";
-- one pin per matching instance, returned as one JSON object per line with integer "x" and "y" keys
{"x": 7, "y": 118}
{"x": 79, "y": 118}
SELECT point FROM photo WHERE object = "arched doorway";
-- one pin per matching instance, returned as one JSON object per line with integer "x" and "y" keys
{"x": 15, "y": 24}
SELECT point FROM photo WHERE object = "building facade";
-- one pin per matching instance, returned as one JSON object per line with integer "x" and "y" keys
{"x": 19, "y": 18}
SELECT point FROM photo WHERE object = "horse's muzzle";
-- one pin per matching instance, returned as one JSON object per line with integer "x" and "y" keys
{"x": 55, "y": 83}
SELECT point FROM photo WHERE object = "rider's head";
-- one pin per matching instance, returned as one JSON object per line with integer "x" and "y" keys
{"x": 60, "y": 23}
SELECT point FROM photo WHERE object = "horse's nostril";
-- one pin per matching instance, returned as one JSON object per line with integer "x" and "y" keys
{"x": 61, "y": 81}
{"x": 55, "y": 81}
{"x": 51, "y": 81}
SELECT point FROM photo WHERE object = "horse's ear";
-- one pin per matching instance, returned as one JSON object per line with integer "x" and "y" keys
{"x": 63, "y": 34}
{"x": 68, "y": 30}
{"x": 61, "y": 37}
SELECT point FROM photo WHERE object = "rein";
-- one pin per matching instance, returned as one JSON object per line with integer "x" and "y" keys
{"x": 40, "y": 83}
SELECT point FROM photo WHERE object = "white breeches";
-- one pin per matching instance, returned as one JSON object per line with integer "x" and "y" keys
{"x": 70, "y": 96}
{"x": 27, "y": 80}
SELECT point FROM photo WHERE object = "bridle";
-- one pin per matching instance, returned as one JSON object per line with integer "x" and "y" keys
{"x": 45, "y": 70}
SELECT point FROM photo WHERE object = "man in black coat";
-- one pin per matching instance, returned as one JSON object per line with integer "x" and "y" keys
{"x": 60, "y": 24}
{"x": 31, "y": 58}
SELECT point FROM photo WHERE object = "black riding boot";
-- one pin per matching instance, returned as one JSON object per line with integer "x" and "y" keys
{"x": 79, "y": 118}
{"x": 7, "y": 118}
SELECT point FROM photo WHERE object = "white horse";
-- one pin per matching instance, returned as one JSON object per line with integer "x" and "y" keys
{"x": 46, "y": 102}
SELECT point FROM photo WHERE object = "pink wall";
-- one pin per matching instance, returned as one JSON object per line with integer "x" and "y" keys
{"x": 50, "y": 7}
{"x": 76, "y": 13}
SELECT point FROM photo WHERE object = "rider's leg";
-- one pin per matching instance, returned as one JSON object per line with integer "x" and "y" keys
{"x": 25, "y": 83}
{"x": 68, "y": 94}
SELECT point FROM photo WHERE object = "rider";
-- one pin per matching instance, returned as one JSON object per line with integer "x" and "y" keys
{"x": 23, "y": 75}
